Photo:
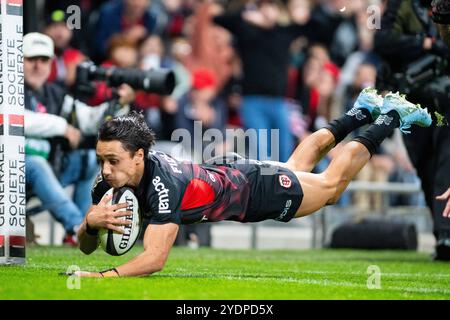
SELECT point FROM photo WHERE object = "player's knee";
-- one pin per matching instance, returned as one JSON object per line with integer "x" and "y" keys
{"x": 333, "y": 200}
{"x": 334, "y": 196}
{"x": 331, "y": 187}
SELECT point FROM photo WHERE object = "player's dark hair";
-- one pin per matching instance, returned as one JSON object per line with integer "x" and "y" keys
{"x": 131, "y": 130}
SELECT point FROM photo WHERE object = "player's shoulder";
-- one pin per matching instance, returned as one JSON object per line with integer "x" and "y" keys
{"x": 166, "y": 181}
{"x": 166, "y": 163}
{"x": 166, "y": 172}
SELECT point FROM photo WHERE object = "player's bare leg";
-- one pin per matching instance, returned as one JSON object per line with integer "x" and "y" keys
{"x": 309, "y": 152}
{"x": 365, "y": 110}
{"x": 326, "y": 188}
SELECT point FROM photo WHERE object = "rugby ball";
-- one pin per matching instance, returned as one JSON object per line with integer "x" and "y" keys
{"x": 115, "y": 243}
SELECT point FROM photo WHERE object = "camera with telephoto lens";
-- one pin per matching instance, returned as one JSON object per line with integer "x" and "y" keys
{"x": 159, "y": 81}
{"x": 420, "y": 74}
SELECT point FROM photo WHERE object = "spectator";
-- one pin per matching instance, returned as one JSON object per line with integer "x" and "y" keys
{"x": 159, "y": 109}
{"x": 48, "y": 109}
{"x": 211, "y": 44}
{"x": 364, "y": 55}
{"x": 335, "y": 26}
{"x": 130, "y": 17}
{"x": 122, "y": 53}
{"x": 318, "y": 81}
{"x": 365, "y": 76}
{"x": 263, "y": 42}
{"x": 172, "y": 16}
{"x": 202, "y": 104}
{"x": 66, "y": 58}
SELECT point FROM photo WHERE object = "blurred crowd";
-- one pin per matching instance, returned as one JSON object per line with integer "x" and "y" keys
{"x": 259, "y": 64}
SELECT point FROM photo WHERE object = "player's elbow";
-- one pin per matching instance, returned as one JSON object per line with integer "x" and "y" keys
{"x": 150, "y": 269}
{"x": 86, "y": 250}
{"x": 155, "y": 264}
{"x": 159, "y": 265}
{"x": 87, "y": 247}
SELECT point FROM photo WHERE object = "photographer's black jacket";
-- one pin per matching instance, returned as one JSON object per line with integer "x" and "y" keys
{"x": 50, "y": 95}
{"x": 404, "y": 26}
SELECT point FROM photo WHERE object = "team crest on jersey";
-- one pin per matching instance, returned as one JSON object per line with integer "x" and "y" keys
{"x": 285, "y": 181}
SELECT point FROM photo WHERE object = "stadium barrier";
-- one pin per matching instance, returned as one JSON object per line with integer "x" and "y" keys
{"x": 321, "y": 228}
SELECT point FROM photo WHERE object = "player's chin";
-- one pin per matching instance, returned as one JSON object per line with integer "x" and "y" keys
{"x": 115, "y": 184}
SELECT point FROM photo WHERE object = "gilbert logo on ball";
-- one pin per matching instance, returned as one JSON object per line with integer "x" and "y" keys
{"x": 285, "y": 181}
{"x": 115, "y": 243}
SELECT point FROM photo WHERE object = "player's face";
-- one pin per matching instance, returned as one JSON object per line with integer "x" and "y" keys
{"x": 119, "y": 167}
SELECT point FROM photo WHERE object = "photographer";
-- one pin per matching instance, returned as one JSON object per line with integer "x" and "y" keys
{"x": 48, "y": 113}
{"x": 441, "y": 16}
{"x": 416, "y": 64}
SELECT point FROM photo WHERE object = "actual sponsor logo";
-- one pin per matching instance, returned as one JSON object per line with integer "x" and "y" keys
{"x": 285, "y": 181}
{"x": 163, "y": 195}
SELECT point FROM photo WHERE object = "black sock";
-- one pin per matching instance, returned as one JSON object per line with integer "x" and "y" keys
{"x": 353, "y": 119}
{"x": 382, "y": 128}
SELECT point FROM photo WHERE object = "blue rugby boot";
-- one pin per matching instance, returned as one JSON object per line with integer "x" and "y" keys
{"x": 409, "y": 113}
{"x": 370, "y": 100}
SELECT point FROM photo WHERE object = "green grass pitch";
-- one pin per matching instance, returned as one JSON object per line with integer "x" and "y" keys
{"x": 233, "y": 274}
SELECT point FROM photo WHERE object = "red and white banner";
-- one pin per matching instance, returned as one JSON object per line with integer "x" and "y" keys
{"x": 12, "y": 141}
{"x": 14, "y": 7}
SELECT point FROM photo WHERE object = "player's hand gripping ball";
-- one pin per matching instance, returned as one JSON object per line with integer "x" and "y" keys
{"x": 115, "y": 243}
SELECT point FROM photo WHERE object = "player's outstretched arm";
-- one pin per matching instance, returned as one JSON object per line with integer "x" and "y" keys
{"x": 100, "y": 216}
{"x": 158, "y": 240}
